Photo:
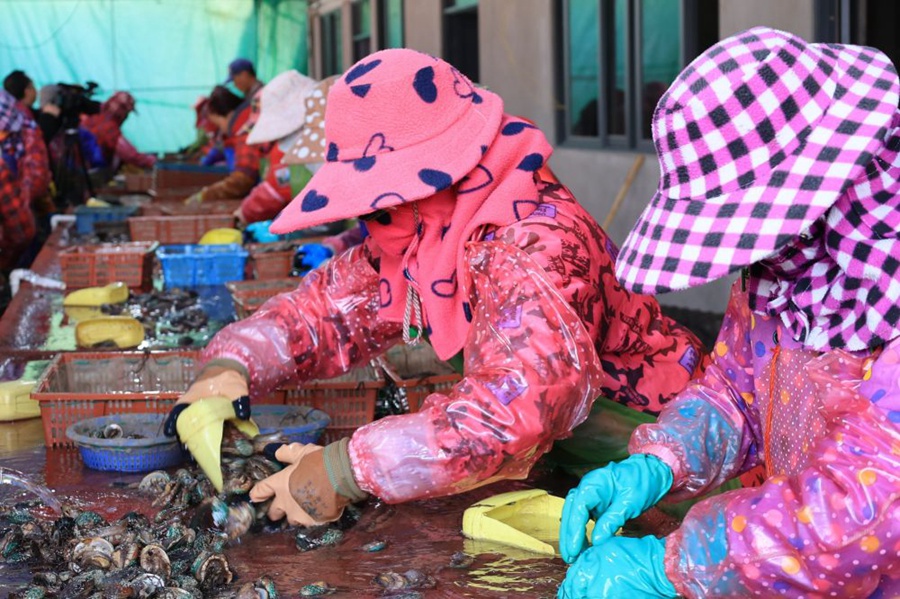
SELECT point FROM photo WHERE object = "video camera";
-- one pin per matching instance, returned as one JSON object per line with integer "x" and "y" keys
{"x": 75, "y": 100}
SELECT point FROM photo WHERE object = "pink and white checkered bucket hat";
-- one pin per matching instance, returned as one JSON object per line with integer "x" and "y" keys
{"x": 756, "y": 139}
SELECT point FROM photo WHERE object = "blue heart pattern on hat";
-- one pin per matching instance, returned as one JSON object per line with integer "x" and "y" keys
{"x": 368, "y": 159}
{"x": 385, "y": 296}
{"x": 445, "y": 287}
{"x": 516, "y": 127}
{"x": 479, "y": 178}
{"x": 437, "y": 179}
{"x": 360, "y": 70}
{"x": 520, "y": 214}
{"x": 313, "y": 201}
{"x": 464, "y": 89}
{"x": 361, "y": 90}
{"x": 389, "y": 198}
{"x": 424, "y": 85}
{"x": 532, "y": 162}
{"x": 332, "y": 155}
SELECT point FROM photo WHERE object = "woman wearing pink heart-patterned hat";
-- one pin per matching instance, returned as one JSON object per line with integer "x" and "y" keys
{"x": 780, "y": 159}
{"x": 474, "y": 246}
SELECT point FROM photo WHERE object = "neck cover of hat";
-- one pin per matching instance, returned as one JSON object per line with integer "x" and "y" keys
{"x": 838, "y": 285}
{"x": 499, "y": 191}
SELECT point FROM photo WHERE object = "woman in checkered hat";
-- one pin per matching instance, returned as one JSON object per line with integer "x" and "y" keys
{"x": 780, "y": 159}
{"x": 474, "y": 244}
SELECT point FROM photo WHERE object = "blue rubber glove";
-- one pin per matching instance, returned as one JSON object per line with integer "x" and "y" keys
{"x": 260, "y": 233}
{"x": 619, "y": 567}
{"x": 310, "y": 256}
{"x": 611, "y": 496}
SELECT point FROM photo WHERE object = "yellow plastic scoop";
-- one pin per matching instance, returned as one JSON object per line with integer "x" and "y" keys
{"x": 123, "y": 331}
{"x": 525, "y": 519}
{"x": 200, "y": 428}
{"x": 114, "y": 293}
{"x": 222, "y": 236}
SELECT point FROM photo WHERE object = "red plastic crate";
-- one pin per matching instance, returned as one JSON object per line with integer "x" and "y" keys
{"x": 349, "y": 400}
{"x": 186, "y": 229}
{"x": 418, "y": 371}
{"x": 248, "y": 296}
{"x": 179, "y": 208}
{"x": 80, "y": 385}
{"x": 98, "y": 265}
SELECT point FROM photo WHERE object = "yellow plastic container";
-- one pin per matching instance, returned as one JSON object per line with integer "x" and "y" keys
{"x": 114, "y": 293}
{"x": 200, "y": 428}
{"x": 16, "y": 402}
{"x": 79, "y": 313}
{"x": 524, "y": 519}
{"x": 223, "y": 236}
{"x": 125, "y": 331}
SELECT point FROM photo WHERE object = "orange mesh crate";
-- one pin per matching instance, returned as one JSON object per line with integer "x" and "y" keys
{"x": 418, "y": 372}
{"x": 274, "y": 260}
{"x": 179, "y": 208}
{"x": 349, "y": 400}
{"x": 98, "y": 265}
{"x": 80, "y": 385}
{"x": 248, "y": 296}
{"x": 186, "y": 229}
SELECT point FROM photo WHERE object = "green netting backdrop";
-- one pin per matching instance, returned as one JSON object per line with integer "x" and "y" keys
{"x": 167, "y": 53}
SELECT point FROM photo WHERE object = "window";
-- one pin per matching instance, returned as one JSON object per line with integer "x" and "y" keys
{"x": 863, "y": 22}
{"x": 461, "y": 36}
{"x": 362, "y": 28}
{"x": 391, "y": 21}
{"x": 332, "y": 54}
{"x": 619, "y": 57}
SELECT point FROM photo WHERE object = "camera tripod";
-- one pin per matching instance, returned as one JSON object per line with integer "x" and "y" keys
{"x": 71, "y": 172}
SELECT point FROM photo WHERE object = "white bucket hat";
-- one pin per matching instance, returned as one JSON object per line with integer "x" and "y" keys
{"x": 282, "y": 110}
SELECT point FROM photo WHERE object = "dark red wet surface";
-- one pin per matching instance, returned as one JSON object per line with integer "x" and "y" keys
{"x": 421, "y": 535}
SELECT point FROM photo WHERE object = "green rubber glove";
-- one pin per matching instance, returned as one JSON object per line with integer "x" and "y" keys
{"x": 619, "y": 567}
{"x": 611, "y": 496}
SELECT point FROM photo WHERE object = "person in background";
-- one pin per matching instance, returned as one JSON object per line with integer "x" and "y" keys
{"x": 206, "y": 144}
{"x": 282, "y": 114}
{"x": 475, "y": 247}
{"x": 21, "y": 87}
{"x": 781, "y": 159}
{"x": 17, "y": 226}
{"x": 243, "y": 159}
{"x": 243, "y": 75}
{"x": 106, "y": 127}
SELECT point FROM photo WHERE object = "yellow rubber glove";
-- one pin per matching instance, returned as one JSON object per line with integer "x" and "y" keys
{"x": 220, "y": 378}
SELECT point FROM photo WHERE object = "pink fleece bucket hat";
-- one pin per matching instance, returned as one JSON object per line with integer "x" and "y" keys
{"x": 399, "y": 126}
{"x": 756, "y": 138}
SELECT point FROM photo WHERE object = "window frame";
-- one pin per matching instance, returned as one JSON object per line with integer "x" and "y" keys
{"x": 450, "y": 9}
{"x": 383, "y": 30}
{"x": 326, "y": 35}
{"x": 358, "y": 37}
{"x": 632, "y": 140}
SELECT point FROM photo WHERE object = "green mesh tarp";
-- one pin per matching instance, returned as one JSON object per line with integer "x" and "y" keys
{"x": 167, "y": 53}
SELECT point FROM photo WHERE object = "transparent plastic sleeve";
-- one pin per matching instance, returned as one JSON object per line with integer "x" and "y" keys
{"x": 325, "y": 327}
{"x": 531, "y": 375}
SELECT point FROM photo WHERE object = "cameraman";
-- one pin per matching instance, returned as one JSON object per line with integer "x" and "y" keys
{"x": 21, "y": 87}
{"x": 107, "y": 129}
